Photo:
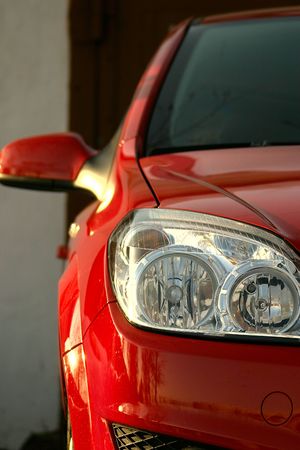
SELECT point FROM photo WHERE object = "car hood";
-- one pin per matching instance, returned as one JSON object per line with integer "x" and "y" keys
{"x": 260, "y": 186}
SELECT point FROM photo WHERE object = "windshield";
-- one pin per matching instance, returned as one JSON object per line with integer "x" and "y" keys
{"x": 231, "y": 84}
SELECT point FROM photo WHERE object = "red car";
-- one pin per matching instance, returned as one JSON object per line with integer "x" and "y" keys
{"x": 179, "y": 309}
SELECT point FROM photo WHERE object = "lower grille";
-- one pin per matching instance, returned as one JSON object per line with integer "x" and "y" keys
{"x": 132, "y": 439}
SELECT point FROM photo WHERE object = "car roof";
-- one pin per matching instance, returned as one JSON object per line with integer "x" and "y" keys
{"x": 253, "y": 14}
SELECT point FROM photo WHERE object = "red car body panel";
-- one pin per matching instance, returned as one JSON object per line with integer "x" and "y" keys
{"x": 96, "y": 223}
{"x": 230, "y": 394}
{"x": 175, "y": 385}
{"x": 254, "y": 185}
{"x": 63, "y": 156}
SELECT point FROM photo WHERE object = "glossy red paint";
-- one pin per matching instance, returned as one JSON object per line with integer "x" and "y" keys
{"x": 140, "y": 109}
{"x": 52, "y": 157}
{"x": 95, "y": 224}
{"x": 69, "y": 308}
{"x": 175, "y": 385}
{"x": 88, "y": 432}
{"x": 253, "y": 185}
{"x": 253, "y": 14}
{"x": 78, "y": 401}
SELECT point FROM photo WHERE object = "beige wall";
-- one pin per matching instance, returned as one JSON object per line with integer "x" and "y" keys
{"x": 33, "y": 100}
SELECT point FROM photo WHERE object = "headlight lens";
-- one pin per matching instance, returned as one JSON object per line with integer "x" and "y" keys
{"x": 176, "y": 289}
{"x": 190, "y": 272}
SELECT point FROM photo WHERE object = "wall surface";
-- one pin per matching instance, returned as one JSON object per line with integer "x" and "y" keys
{"x": 33, "y": 100}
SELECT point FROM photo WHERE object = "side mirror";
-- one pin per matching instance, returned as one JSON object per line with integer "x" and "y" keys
{"x": 49, "y": 162}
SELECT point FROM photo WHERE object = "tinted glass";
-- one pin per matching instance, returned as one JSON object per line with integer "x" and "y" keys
{"x": 231, "y": 84}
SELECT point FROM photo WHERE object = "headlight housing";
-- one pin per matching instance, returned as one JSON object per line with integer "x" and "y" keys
{"x": 185, "y": 272}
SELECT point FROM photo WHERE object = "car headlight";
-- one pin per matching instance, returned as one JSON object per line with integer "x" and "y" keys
{"x": 188, "y": 272}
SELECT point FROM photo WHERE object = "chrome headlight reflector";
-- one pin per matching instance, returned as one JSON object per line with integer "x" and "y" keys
{"x": 176, "y": 288}
{"x": 189, "y": 272}
{"x": 262, "y": 297}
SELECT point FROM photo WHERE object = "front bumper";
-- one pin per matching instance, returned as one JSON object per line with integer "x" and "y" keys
{"x": 228, "y": 394}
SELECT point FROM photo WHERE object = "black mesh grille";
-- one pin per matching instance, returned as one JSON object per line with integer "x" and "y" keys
{"x": 132, "y": 439}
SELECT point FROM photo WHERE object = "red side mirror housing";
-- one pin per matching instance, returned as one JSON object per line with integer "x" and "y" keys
{"x": 44, "y": 162}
